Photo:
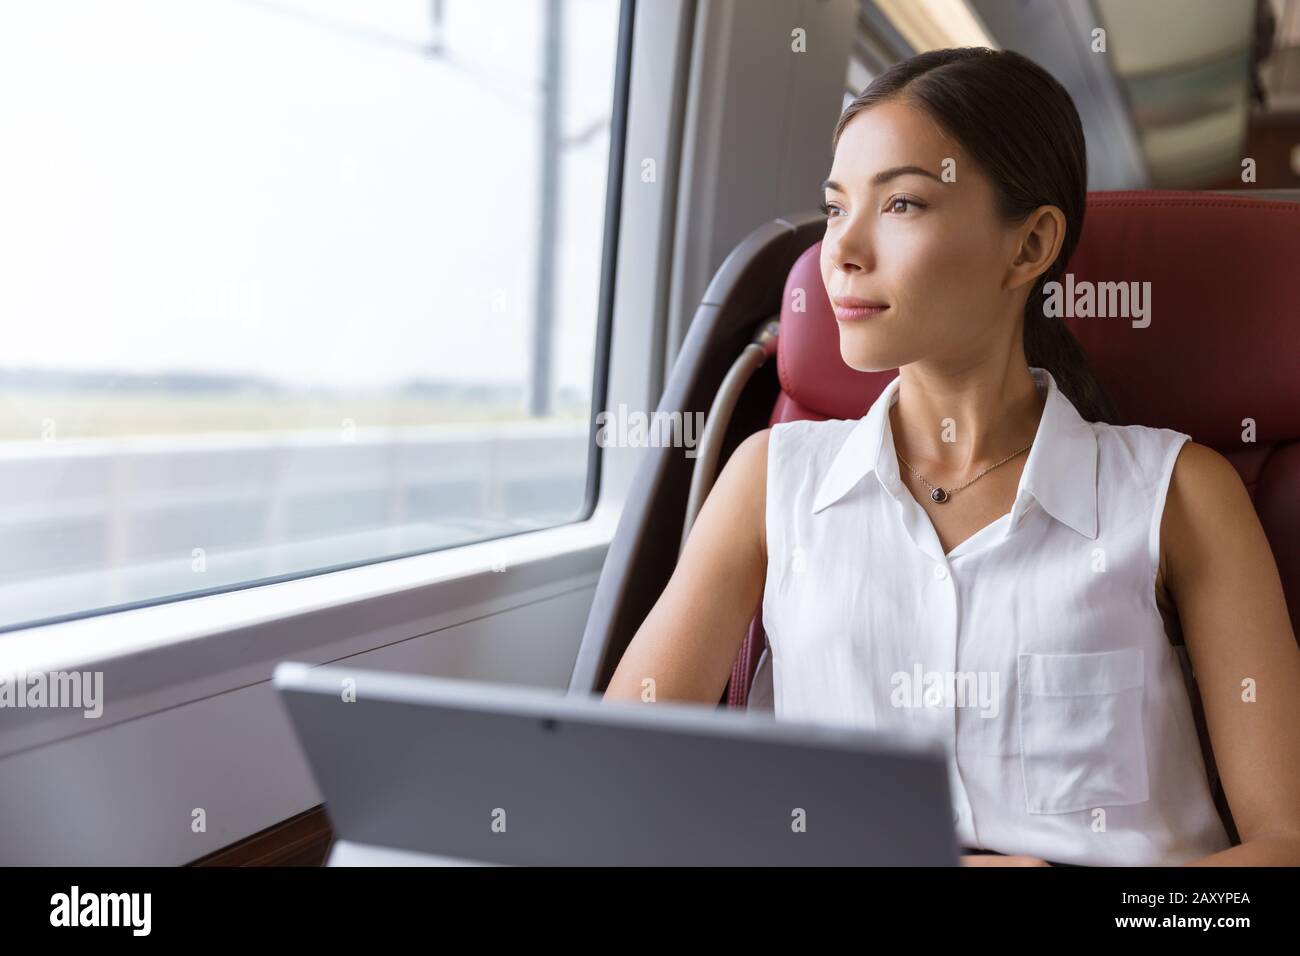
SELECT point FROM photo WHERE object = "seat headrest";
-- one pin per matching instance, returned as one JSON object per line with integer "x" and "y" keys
{"x": 1219, "y": 278}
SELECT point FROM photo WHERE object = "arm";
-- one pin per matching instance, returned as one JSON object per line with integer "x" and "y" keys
{"x": 1225, "y": 584}
{"x": 690, "y": 638}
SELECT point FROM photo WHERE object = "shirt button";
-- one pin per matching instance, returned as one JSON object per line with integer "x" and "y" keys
{"x": 940, "y": 572}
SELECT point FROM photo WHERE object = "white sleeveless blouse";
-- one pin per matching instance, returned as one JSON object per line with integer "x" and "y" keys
{"x": 1034, "y": 650}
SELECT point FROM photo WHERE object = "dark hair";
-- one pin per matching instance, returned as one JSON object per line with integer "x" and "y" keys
{"x": 1020, "y": 125}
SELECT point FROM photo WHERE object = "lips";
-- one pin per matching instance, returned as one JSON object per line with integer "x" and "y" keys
{"x": 850, "y": 308}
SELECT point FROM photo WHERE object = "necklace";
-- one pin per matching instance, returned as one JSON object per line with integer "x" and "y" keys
{"x": 940, "y": 495}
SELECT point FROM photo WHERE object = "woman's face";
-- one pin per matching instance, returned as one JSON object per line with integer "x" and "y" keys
{"x": 912, "y": 226}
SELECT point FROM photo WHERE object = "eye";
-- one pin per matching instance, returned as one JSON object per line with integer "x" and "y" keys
{"x": 902, "y": 201}
{"x": 828, "y": 210}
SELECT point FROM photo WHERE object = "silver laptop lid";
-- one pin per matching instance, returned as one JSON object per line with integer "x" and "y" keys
{"x": 513, "y": 775}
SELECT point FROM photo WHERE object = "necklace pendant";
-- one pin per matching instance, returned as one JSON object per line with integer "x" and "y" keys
{"x": 939, "y": 496}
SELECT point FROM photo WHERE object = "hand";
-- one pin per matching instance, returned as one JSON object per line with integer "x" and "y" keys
{"x": 993, "y": 859}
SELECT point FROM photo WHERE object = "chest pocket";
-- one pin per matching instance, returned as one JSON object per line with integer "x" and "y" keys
{"x": 1081, "y": 735}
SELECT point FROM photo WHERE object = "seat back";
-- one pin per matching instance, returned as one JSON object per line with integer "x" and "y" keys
{"x": 1215, "y": 355}
{"x": 745, "y": 293}
{"x": 1217, "y": 361}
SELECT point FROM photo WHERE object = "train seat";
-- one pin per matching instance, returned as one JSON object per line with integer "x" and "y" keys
{"x": 1215, "y": 357}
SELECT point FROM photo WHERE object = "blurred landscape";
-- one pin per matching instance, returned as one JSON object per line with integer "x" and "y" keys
{"x": 291, "y": 285}
{"x": 106, "y": 405}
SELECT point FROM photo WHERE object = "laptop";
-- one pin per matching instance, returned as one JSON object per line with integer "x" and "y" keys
{"x": 427, "y": 771}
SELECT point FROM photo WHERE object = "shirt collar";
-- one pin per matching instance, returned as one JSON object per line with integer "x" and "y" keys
{"x": 1060, "y": 474}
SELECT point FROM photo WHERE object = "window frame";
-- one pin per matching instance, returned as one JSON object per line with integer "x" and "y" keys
{"x": 163, "y": 654}
{"x": 600, "y": 386}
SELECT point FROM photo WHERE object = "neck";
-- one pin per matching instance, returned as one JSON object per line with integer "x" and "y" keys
{"x": 956, "y": 422}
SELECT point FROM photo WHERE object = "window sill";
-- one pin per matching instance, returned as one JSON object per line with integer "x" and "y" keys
{"x": 167, "y": 655}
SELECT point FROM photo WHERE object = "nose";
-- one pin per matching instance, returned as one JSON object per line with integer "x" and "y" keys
{"x": 849, "y": 250}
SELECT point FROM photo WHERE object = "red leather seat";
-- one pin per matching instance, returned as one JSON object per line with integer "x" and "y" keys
{"x": 1221, "y": 347}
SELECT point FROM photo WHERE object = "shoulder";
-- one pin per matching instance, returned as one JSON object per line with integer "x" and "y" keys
{"x": 1206, "y": 509}
{"x": 807, "y": 437}
{"x": 1201, "y": 472}
{"x": 798, "y": 441}
{"x": 1140, "y": 453}
{"x": 1193, "y": 484}
{"x": 1205, "y": 489}
{"x": 802, "y": 452}
{"x": 746, "y": 470}
{"x": 752, "y": 452}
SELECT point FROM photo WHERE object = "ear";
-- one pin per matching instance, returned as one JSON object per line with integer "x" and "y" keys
{"x": 1038, "y": 240}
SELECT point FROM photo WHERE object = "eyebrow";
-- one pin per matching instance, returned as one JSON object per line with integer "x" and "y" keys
{"x": 885, "y": 176}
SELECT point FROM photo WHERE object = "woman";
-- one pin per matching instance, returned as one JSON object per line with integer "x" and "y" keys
{"x": 988, "y": 521}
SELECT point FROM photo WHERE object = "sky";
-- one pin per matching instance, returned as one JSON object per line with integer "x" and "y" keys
{"x": 292, "y": 189}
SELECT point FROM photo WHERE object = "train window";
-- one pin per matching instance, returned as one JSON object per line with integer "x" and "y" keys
{"x": 291, "y": 285}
